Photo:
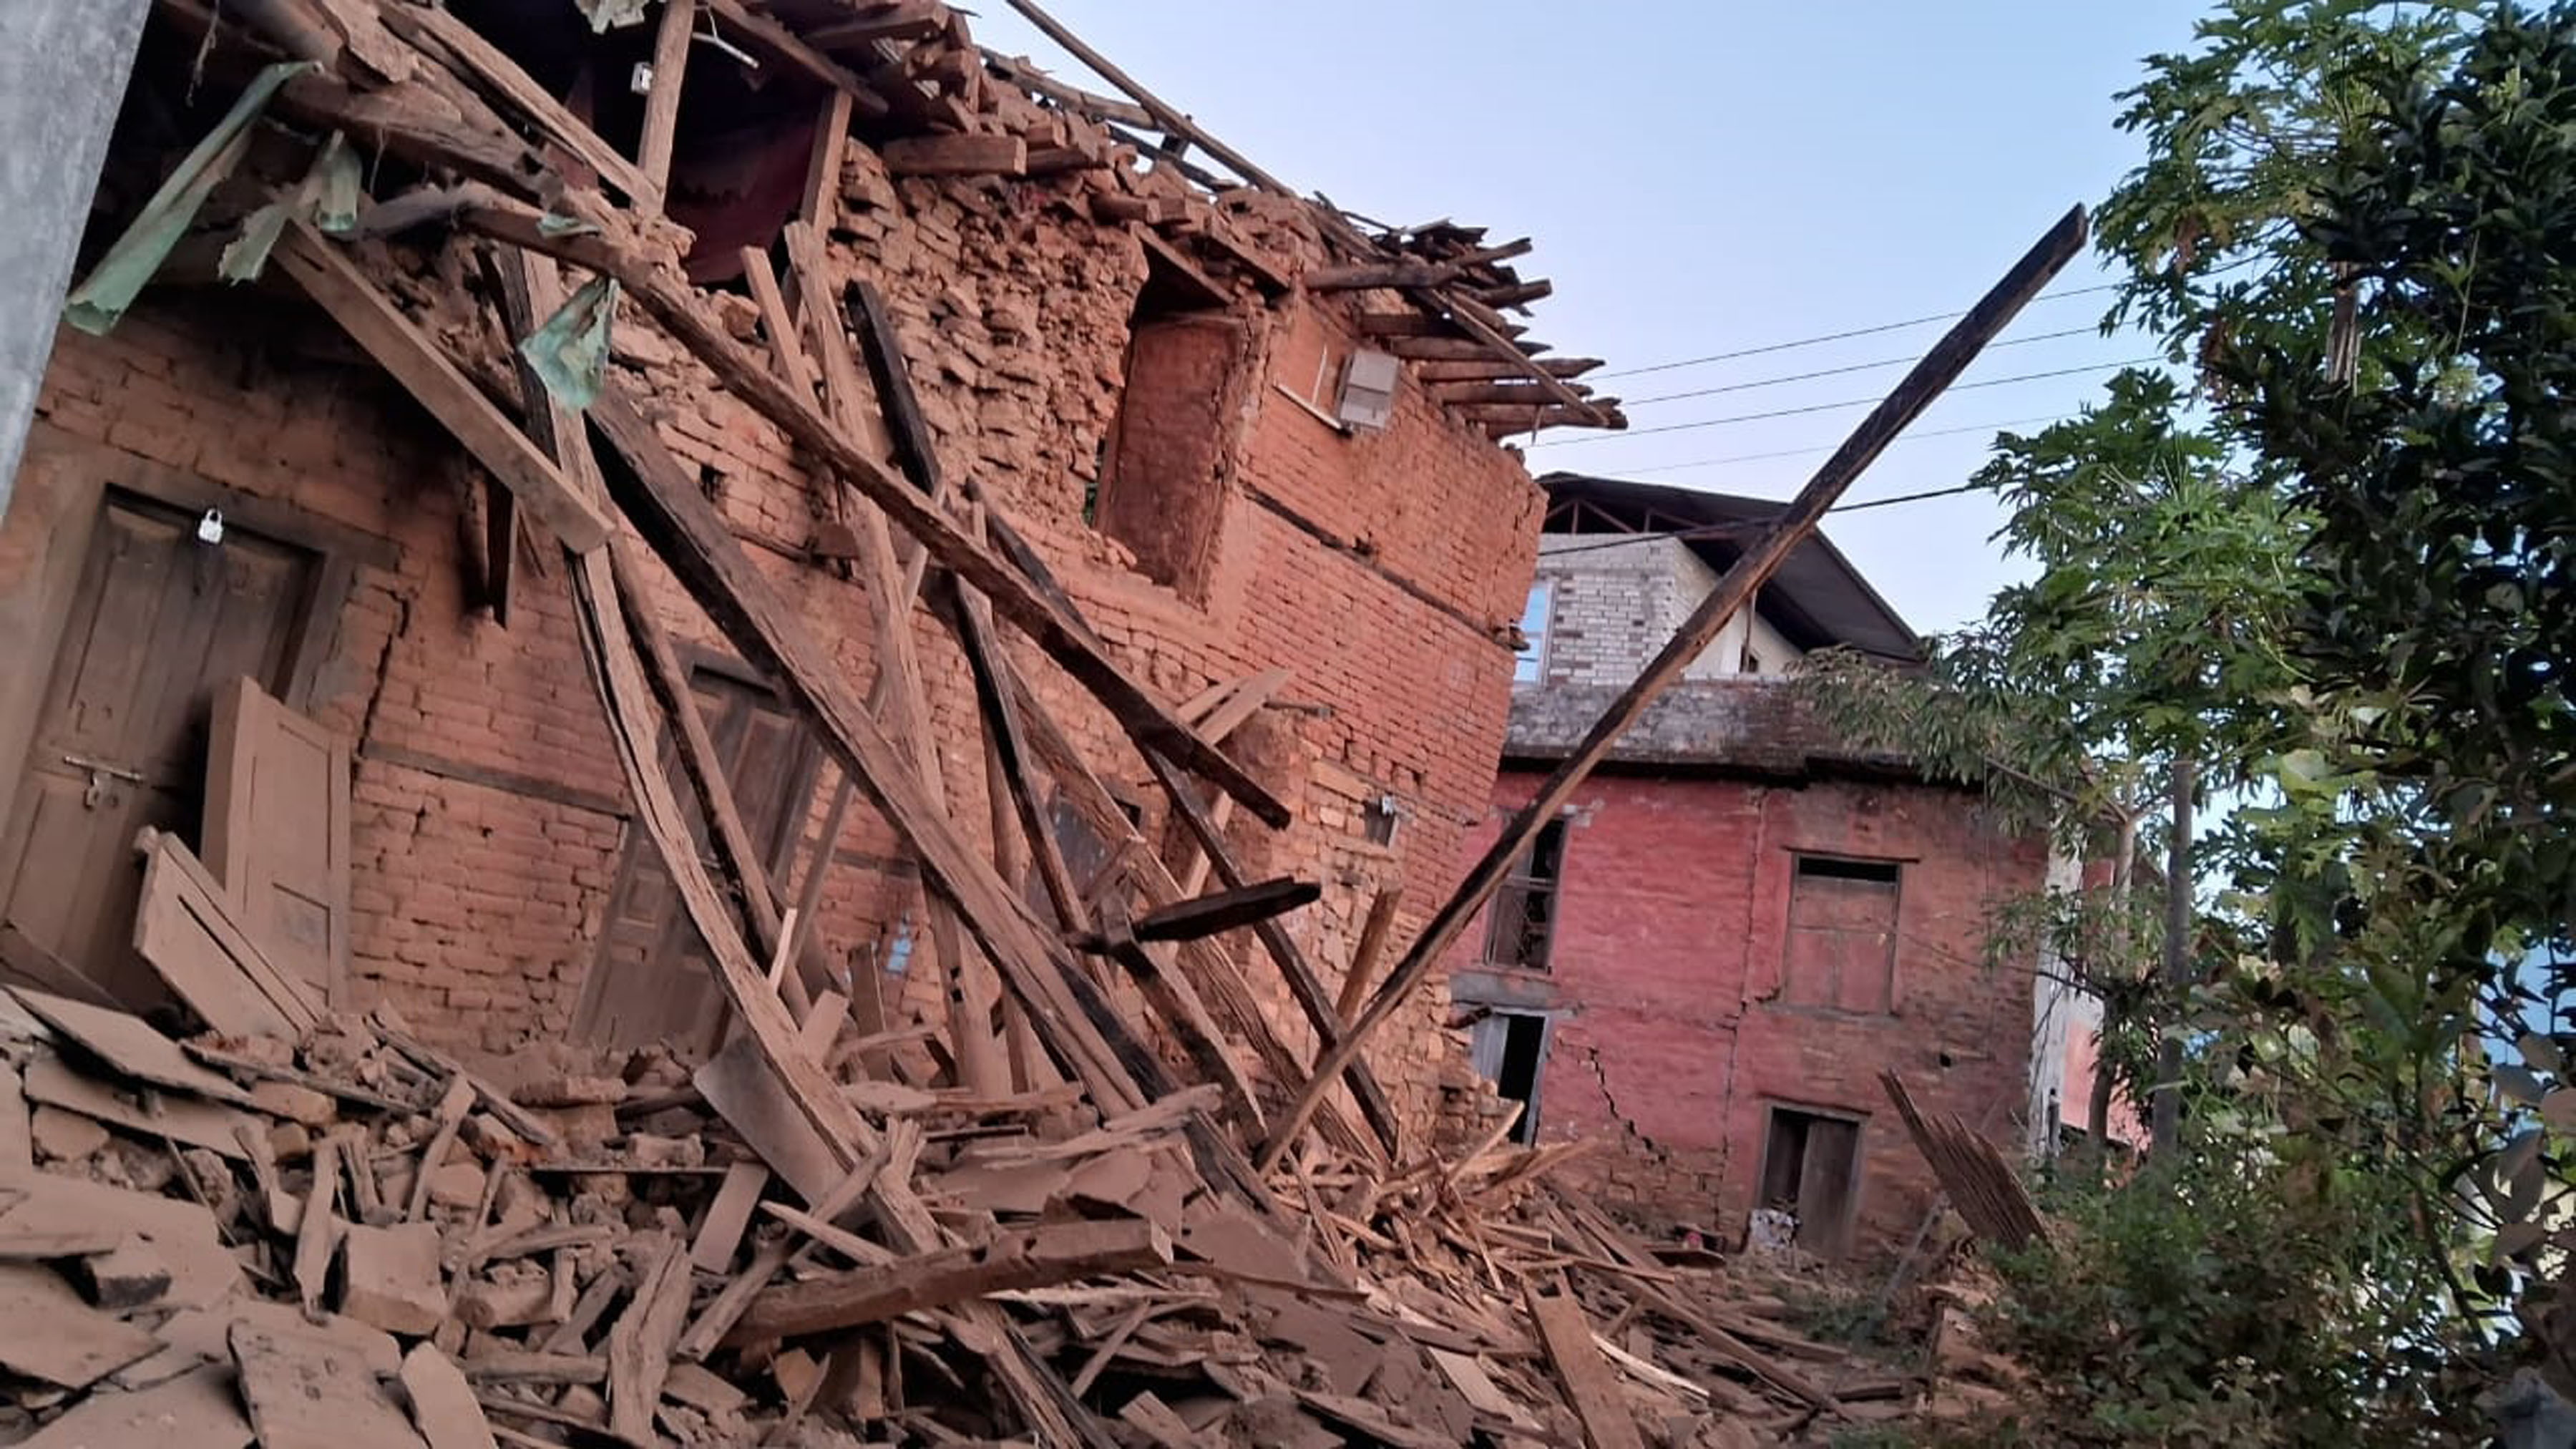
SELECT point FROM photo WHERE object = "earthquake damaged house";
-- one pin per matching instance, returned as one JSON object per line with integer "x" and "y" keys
{"x": 741, "y": 725}
{"x": 1710, "y": 954}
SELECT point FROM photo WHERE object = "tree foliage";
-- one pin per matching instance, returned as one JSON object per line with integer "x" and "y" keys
{"x": 2346, "y": 593}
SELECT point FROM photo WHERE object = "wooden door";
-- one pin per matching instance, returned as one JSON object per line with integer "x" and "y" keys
{"x": 277, "y": 833}
{"x": 159, "y": 621}
{"x": 654, "y": 980}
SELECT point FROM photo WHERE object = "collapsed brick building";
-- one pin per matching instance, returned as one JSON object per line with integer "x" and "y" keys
{"x": 1743, "y": 919}
{"x": 1149, "y": 382}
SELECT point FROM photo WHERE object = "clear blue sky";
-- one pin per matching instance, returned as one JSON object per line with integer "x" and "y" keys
{"x": 1704, "y": 176}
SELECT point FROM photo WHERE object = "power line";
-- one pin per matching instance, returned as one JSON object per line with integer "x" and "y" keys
{"x": 1828, "y": 407}
{"x": 1750, "y": 525}
{"x": 1816, "y": 341}
{"x": 1993, "y": 427}
{"x": 1840, "y": 371}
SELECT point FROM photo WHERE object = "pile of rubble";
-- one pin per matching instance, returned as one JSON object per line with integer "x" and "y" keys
{"x": 360, "y": 1240}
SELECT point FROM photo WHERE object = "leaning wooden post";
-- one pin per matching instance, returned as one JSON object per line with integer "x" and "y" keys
{"x": 1938, "y": 369}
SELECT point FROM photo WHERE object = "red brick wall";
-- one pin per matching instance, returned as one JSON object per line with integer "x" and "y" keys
{"x": 1667, "y": 959}
{"x": 491, "y": 818}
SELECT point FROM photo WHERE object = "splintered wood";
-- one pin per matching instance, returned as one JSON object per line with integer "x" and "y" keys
{"x": 648, "y": 1279}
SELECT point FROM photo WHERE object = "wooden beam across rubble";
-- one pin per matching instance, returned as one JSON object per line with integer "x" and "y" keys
{"x": 1930, "y": 377}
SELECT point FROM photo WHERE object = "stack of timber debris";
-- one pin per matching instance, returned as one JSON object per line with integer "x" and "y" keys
{"x": 357, "y": 1240}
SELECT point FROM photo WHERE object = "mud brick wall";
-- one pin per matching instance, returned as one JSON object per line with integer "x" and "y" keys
{"x": 1380, "y": 568}
{"x": 1673, "y": 1041}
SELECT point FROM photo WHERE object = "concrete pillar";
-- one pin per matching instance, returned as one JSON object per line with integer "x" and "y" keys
{"x": 63, "y": 65}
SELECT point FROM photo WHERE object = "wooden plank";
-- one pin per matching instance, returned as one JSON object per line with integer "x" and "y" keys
{"x": 1921, "y": 386}
{"x": 1212, "y": 969}
{"x": 1364, "y": 275}
{"x": 959, "y": 154}
{"x": 380, "y": 329}
{"x": 185, "y": 931}
{"x": 312, "y": 1390}
{"x": 442, "y": 1402}
{"x": 775, "y": 322}
{"x": 1460, "y": 349}
{"x": 317, "y": 1233}
{"x": 728, "y": 1214}
{"x": 1589, "y": 1385}
{"x": 17, "y": 1148}
{"x": 203, "y": 1401}
{"x": 1226, "y": 910}
{"x": 1036, "y": 1257}
{"x": 640, "y": 1343}
{"x": 1373, "y": 934}
{"x": 277, "y": 832}
{"x": 53, "y": 1082}
{"x": 1490, "y": 370}
{"x": 129, "y": 1045}
{"x": 822, "y": 202}
{"x": 662, "y": 101}
{"x": 48, "y": 1333}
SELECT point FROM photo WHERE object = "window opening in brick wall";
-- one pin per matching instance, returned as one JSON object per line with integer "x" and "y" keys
{"x": 1841, "y": 948}
{"x": 1529, "y": 662}
{"x": 1159, "y": 489}
{"x": 1811, "y": 1171}
{"x": 1522, "y": 926}
{"x": 1377, "y": 818}
{"x": 1508, "y": 1048}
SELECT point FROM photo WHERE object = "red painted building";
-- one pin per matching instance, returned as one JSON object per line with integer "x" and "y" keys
{"x": 1741, "y": 920}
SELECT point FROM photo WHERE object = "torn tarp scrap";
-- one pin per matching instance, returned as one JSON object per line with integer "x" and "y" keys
{"x": 569, "y": 350}
{"x": 120, "y": 276}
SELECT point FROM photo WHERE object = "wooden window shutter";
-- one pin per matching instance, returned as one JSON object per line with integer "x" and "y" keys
{"x": 277, "y": 833}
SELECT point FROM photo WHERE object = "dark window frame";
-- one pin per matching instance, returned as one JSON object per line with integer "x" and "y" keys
{"x": 1516, "y": 937}
{"x": 1805, "y": 865}
{"x": 1825, "y": 1235}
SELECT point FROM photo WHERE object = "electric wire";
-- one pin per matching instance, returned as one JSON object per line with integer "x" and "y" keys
{"x": 1993, "y": 427}
{"x": 1754, "y": 525}
{"x": 1863, "y": 402}
{"x": 1840, "y": 371}
{"x": 1821, "y": 339}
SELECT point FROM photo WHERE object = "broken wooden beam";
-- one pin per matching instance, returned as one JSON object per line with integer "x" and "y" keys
{"x": 1207, "y": 915}
{"x": 1517, "y": 394}
{"x": 965, "y": 154}
{"x": 1590, "y": 1387}
{"x": 1493, "y": 369}
{"x": 332, "y": 280}
{"x": 1378, "y": 274}
{"x": 1019, "y": 1258}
